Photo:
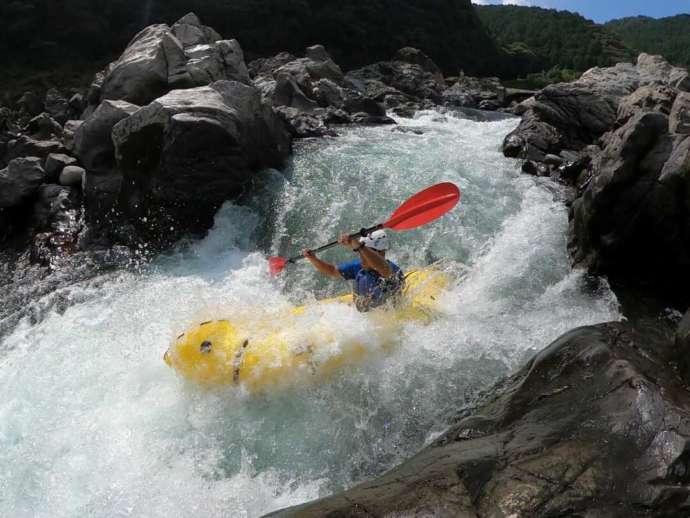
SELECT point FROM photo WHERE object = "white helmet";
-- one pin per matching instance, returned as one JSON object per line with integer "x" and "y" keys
{"x": 377, "y": 240}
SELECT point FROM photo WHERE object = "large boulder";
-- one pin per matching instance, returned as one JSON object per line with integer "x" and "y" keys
{"x": 161, "y": 58}
{"x": 93, "y": 142}
{"x": 93, "y": 145}
{"x": 680, "y": 114}
{"x": 417, "y": 57}
{"x": 631, "y": 221}
{"x": 582, "y": 111}
{"x": 190, "y": 150}
{"x": 597, "y": 424}
{"x": 20, "y": 181}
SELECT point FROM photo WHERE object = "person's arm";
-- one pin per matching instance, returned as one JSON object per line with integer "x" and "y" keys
{"x": 377, "y": 262}
{"x": 322, "y": 266}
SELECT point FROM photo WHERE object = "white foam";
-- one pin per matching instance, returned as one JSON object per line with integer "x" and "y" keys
{"x": 92, "y": 422}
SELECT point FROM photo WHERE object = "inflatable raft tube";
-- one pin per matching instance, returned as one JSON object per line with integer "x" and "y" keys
{"x": 262, "y": 353}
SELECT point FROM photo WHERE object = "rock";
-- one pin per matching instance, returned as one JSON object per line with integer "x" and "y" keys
{"x": 77, "y": 104}
{"x": 512, "y": 145}
{"x": 73, "y": 176}
{"x": 417, "y": 57}
{"x": 682, "y": 347}
{"x": 366, "y": 118}
{"x": 306, "y": 72}
{"x": 288, "y": 93}
{"x": 553, "y": 160}
{"x": 327, "y": 93}
{"x": 54, "y": 165}
{"x": 407, "y": 78}
{"x": 574, "y": 115}
{"x": 68, "y": 133}
{"x": 190, "y": 31}
{"x": 357, "y": 103}
{"x": 56, "y": 215}
{"x": 44, "y": 127}
{"x": 141, "y": 73}
{"x": 631, "y": 222}
{"x": 654, "y": 68}
{"x": 304, "y": 125}
{"x": 93, "y": 143}
{"x": 222, "y": 60}
{"x": 654, "y": 97}
{"x": 57, "y": 105}
{"x": 490, "y": 105}
{"x": 596, "y": 424}
{"x": 20, "y": 181}
{"x": 680, "y": 115}
{"x": 30, "y": 103}
{"x": 186, "y": 153}
{"x": 457, "y": 96}
{"x": 317, "y": 53}
{"x": 535, "y": 168}
{"x": 406, "y": 129}
{"x": 24, "y": 146}
{"x": 267, "y": 66}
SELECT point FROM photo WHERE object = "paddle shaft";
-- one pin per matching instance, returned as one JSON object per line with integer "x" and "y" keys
{"x": 363, "y": 232}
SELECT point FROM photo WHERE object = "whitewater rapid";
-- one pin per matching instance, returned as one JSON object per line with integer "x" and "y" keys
{"x": 93, "y": 423}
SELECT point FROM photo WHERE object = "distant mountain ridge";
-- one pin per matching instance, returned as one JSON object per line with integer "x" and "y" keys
{"x": 669, "y": 36}
{"x": 553, "y": 38}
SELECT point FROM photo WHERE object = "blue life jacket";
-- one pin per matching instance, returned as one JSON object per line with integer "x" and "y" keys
{"x": 371, "y": 289}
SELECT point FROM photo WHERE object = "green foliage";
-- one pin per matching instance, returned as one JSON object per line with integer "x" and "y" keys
{"x": 540, "y": 39}
{"x": 669, "y": 37}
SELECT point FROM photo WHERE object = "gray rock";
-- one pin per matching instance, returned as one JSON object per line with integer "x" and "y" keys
{"x": 190, "y": 31}
{"x": 317, "y": 53}
{"x": 20, "y": 181}
{"x": 93, "y": 143}
{"x": 327, "y": 93}
{"x": 44, "y": 127}
{"x": 456, "y": 95}
{"x": 73, "y": 176}
{"x": 654, "y": 97}
{"x": 596, "y": 424}
{"x": 141, "y": 73}
{"x": 535, "y": 168}
{"x": 288, "y": 93}
{"x": 417, "y": 57}
{"x": 57, "y": 105}
{"x": 631, "y": 221}
{"x": 24, "y": 146}
{"x": 682, "y": 347}
{"x": 304, "y": 125}
{"x": 680, "y": 115}
{"x": 223, "y": 60}
{"x": 54, "y": 165}
{"x": 56, "y": 216}
{"x": 574, "y": 115}
{"x": 187, "y": 152}
{"x": 553, "y": 160}
{"x": 268, "y": 66}
{"x": 77, "y": 104}
{"x": 68, "y": 133}
{"x": 30, "y": 103}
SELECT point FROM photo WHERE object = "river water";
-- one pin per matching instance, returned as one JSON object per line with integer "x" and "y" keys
{"x": 93, "y": 423}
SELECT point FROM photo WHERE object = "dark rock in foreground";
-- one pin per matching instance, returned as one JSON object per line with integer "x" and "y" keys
{"x": 597, "y": 424}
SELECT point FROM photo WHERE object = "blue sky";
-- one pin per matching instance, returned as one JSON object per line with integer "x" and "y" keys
{"x": 604, "y": 10}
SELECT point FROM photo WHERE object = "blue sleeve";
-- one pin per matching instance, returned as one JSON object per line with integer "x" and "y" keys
{"x": 349, "y": 270}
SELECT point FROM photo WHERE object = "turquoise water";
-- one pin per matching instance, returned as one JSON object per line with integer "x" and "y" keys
{"x": 92, "y": 423}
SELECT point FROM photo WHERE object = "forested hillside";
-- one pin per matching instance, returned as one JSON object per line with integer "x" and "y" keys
{"x": 46, "y": 33}
{"x": 546, "y": 38}
{"x": 669, "y": 37}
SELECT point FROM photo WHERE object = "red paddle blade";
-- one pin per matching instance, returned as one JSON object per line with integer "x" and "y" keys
{"x": 276, "y": 265}
{"x": 424, "y": 207}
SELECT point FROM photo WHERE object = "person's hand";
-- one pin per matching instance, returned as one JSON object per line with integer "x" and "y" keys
{"x": 348, "y": 241}
{"x": 309, "y": 254}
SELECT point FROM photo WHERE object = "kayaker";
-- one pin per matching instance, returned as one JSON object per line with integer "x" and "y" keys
{"x": 376, "y": 280}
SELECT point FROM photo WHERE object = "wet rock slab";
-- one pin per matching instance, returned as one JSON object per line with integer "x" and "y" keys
{"x": 597, "y": 424}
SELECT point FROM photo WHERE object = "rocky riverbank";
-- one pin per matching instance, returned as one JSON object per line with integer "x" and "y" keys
{"x": 621, "y": 137}
{"x": 178, "y": 125}
{"x": 596, "y": 424}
